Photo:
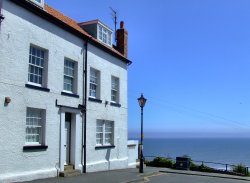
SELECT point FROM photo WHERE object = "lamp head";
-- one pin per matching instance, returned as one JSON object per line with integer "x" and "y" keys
{"x": 142, "y": 101}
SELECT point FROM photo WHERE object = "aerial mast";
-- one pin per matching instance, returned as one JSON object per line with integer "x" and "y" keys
{"x": 114, "y": 16}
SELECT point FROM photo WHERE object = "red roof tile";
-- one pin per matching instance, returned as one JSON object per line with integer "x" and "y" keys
{"x": 70, "y": 22}
{"x": 73, "y": 24}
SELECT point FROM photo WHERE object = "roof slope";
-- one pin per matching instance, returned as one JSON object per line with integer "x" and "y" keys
{"x": 68, "y": 24}
{"x": 72, "y": 23}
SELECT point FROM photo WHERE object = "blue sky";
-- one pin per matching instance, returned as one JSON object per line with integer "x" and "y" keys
{"x": 191, "y": 60}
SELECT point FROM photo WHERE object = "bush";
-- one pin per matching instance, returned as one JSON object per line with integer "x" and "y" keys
{"x": 240, "y": 169}
{"x": 201, "y": 168}
{"x": 160, "y": 162}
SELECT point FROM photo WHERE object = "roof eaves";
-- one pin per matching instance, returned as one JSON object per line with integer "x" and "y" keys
{"x": 44, "y": 14}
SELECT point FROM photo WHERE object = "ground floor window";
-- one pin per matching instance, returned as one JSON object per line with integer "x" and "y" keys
{"x": 104, "y": 132}
{"x": 35, "y": 126}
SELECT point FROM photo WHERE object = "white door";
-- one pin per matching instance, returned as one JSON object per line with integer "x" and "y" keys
{"x": 67, "y": 141}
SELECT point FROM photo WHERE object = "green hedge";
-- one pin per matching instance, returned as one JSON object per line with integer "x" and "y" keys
{"x": 240, "y": 169}
{"x": 160, "y": 162}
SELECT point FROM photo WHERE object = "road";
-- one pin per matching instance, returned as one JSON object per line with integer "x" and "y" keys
{"x": 181, "y": 178}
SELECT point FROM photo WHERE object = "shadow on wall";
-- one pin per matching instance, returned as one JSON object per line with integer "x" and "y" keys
{"x": 108, "y": 158}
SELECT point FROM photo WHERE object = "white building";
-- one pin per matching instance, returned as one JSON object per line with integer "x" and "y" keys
{"x": 63, "y": 88}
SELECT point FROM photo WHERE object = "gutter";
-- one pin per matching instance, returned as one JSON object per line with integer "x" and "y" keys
{"x": 1, "y": 16}
{"x": 84, "y": 119}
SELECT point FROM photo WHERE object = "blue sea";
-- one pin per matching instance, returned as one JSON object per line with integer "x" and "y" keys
{"x": 220, "y": 150}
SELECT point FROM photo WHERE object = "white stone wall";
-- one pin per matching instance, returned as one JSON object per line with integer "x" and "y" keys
{"x": 19, "y": 29}
{"x": 132, "y": 153}
{"x": 107, "y": 158}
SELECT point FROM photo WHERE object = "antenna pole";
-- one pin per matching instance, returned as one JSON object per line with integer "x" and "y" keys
{"x": 115, "y": 20}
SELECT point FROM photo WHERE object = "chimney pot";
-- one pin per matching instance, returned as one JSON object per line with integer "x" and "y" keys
{"x": 121, "y": 25}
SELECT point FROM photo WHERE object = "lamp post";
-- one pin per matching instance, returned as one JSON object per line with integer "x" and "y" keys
{"x": 142, "y": 102}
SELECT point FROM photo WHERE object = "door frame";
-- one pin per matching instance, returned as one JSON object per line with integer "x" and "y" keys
{"x": 75, "y": 130}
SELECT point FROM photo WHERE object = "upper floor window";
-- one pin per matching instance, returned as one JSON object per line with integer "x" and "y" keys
{"x": 114, "y": 89}
{"x": 104, "y": 35}
{"x": 37, "y": 66}
{"x": 70, "y": 76}
{"x": 38, "y": 2}
{"x": 94, "y": 84}
{"x": 35, "y": 126}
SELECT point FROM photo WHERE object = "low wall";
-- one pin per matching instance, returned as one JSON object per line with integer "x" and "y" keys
{"x": 132, "y": 153}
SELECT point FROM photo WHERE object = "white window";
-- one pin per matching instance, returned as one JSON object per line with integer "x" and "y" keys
{"x": 94, "y": 86}
{"x": 104, "y": 35}
{"x": 114, "y": 89}
{"x": 104, "y": 132}
{"x": 38, "y": 2}
{"x": 35, "y": 126}
{"x": 37, "y": 66}
{"x": 69, "y": 83}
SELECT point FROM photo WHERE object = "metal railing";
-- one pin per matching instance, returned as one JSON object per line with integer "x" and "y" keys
{"x": 209, "y": 166}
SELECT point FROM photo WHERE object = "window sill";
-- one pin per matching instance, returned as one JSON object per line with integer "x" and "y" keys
{"x": 105, "y": 147}
{"x": 115, "y": 104}
{"x": 38, "y": 147}
{"x": 70, "y": 94}
{"x": 95, "y": 100}
{"x": 37, "y": 87}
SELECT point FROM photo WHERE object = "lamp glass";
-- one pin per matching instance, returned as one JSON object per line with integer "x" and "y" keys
{"x": 142, "y": 101}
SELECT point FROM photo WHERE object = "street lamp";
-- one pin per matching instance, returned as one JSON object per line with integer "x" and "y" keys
{"x": 142, "y": 102}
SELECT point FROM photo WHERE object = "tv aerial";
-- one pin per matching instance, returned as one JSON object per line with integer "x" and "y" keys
{"x": 114, "y": 17}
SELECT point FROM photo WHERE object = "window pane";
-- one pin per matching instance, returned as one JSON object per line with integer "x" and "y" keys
{"x": 34, "y": 126}
{"x": 36, "y": 65}
{"x": 93, "y": 86}
{"x": 104, "y": 132}
{"x": 68, "y": 75}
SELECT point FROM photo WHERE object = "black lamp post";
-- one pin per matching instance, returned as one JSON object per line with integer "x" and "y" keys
{"x": 142, "y": 102}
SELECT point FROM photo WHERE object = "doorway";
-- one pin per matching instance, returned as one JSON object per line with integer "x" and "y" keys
{"x": 67, "y": 144}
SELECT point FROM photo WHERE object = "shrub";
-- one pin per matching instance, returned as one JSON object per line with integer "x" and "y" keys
{"x": 240, "y": 169}
{"x": 160, "y": 162}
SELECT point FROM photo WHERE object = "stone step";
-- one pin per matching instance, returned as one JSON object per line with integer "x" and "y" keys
{"x": 68, "y": 167}
{"x": 70, "y": 173}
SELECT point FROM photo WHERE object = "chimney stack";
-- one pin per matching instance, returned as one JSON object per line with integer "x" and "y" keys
{"x": 122, "y": 40}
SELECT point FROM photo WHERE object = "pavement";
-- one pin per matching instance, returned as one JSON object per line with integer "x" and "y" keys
{"x": 150, "y": 174}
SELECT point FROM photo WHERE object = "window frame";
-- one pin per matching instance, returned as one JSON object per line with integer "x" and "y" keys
{"x": 104, "y": 34}
{"x": 74, "y": 77}
{"x": 96, "y": 83}
{"x": 115, "y": 89}
{"x": 43, "y": 66}
{"x": 31, "y": 114}
{"x": 40, "y": 4}
{"x": 103, "y": 124}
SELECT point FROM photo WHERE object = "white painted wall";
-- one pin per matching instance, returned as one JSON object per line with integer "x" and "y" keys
{"x": 109, "y": 158}
{"x": 19, "y": 29}
{"x": 132, "y": 153}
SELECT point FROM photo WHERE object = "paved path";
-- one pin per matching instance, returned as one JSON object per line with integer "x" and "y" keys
{"x": 185, "y": 178}
{"x": 153, "y": 175}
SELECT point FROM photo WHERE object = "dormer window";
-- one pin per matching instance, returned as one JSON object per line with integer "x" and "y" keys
{"x": 98, "y": 30}
{"x": 104, "y": 35}
{"x": 39, "y": 3}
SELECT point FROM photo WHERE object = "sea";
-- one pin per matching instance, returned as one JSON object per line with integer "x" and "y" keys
{"x": 218, "y": 151}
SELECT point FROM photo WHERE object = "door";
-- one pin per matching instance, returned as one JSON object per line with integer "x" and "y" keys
{"x": 67, "y": 142}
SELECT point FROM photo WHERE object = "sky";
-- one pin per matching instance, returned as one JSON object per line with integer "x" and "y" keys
{"x": 191, "y": 60}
